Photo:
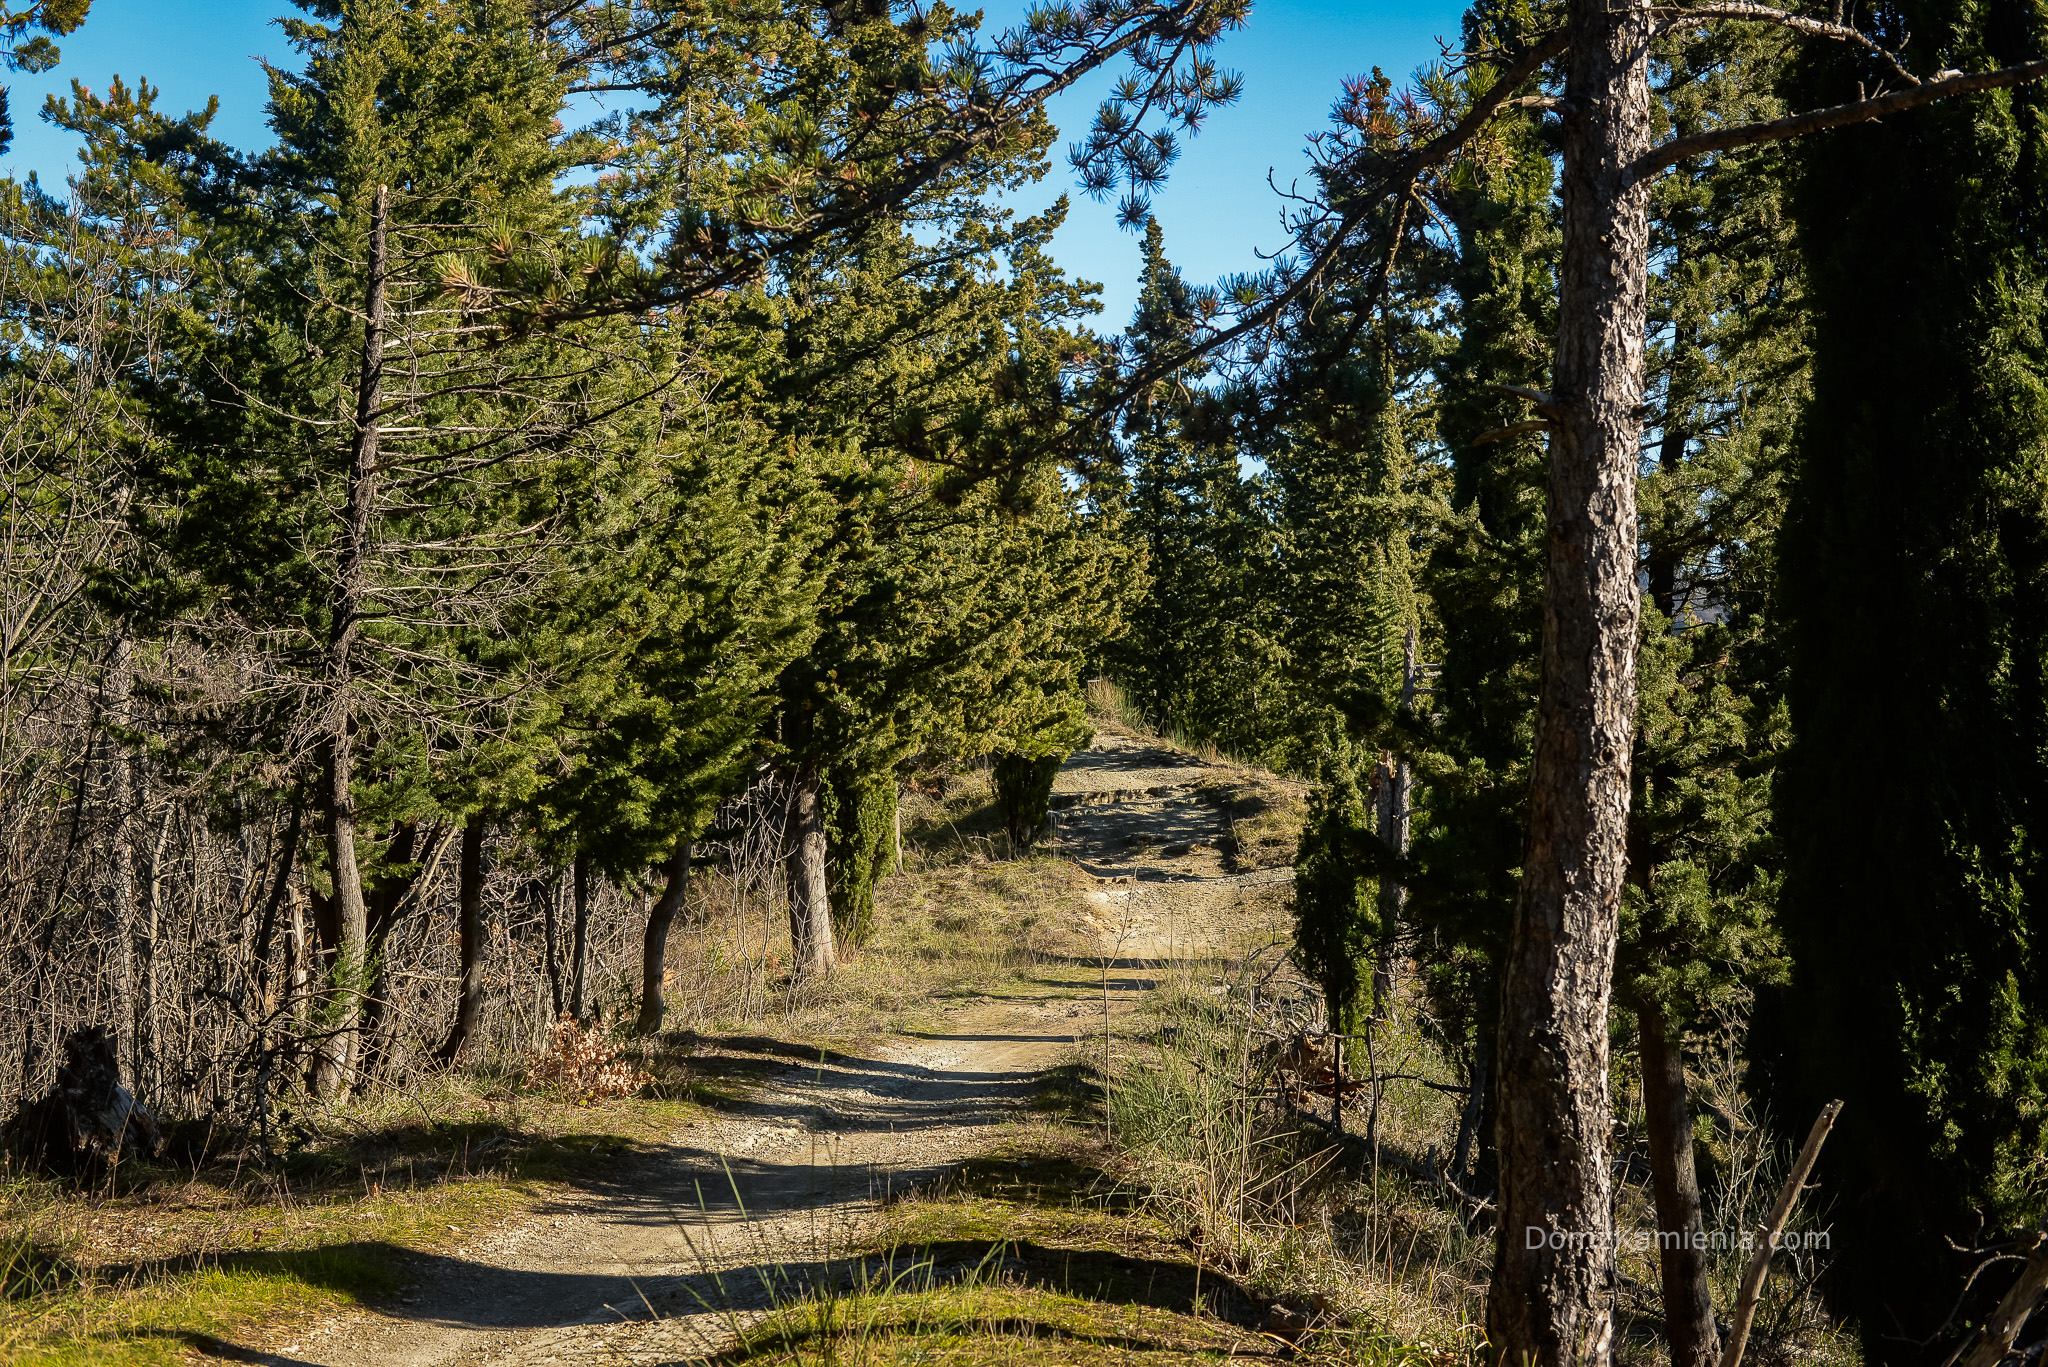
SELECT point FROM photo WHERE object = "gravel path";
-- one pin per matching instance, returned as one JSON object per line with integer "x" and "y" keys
{"x": 661, "y": 1258}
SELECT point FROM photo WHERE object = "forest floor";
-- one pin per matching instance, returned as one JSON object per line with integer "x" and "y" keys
{"x": 932, "y": 1194}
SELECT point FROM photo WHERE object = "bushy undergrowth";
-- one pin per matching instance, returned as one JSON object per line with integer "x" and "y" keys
{"x": 581, "y": 1063}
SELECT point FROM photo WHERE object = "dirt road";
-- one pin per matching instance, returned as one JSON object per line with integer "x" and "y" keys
{"x": 662, "y": 1258}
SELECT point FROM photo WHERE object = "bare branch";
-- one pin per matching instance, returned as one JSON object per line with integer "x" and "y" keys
{"x": 1772, "y": 130}
{"x": 1677, "y": 16}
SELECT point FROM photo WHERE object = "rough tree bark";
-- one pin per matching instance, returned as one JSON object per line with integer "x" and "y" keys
{"x": 654, "y": 949}
{"x": 812, "y": 948}
{"x": 334, "y": 1065}
{"x": 469, "y": 932}
{"x": 1552, "y": 1303}
{"x": 1681, "y": 1224}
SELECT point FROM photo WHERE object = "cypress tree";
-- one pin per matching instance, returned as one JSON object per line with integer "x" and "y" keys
{"x": 1023, "y": 787}
{"x": 1917, "y": 623}
{"x": 1483, "y": 579}
{"x": 1335, "y": 904}
{"x": 966, "y": 586}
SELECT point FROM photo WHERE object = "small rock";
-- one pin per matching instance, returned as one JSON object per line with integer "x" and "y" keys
{"x": 1284, "y": 1321}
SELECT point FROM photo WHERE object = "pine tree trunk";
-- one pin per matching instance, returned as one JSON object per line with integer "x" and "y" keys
{"x": 654, "y": 949}
{"x": 1682, "y": 1263}
{"x": 812, "y": 948}
{"x": 579, "y": 940}
{"x": 334, "y": 1066}
{"x": 469, "y": 932}
{"x": 1552, "y": 1304}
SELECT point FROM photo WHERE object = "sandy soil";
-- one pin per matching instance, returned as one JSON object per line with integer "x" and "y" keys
{"x": 665, "y": 1255}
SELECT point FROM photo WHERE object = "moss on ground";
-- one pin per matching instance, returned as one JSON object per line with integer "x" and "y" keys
{"x": 984, "y": 1324}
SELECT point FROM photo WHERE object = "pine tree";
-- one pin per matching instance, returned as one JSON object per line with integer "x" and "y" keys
{"x": 1200, "y": 657}
{"x": 34, "y": 52}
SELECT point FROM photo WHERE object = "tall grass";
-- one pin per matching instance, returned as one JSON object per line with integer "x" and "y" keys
{"x": 1274, "y": 1201}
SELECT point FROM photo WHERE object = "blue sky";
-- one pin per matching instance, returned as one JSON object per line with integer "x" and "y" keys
{"x": 1217, "y": 210}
